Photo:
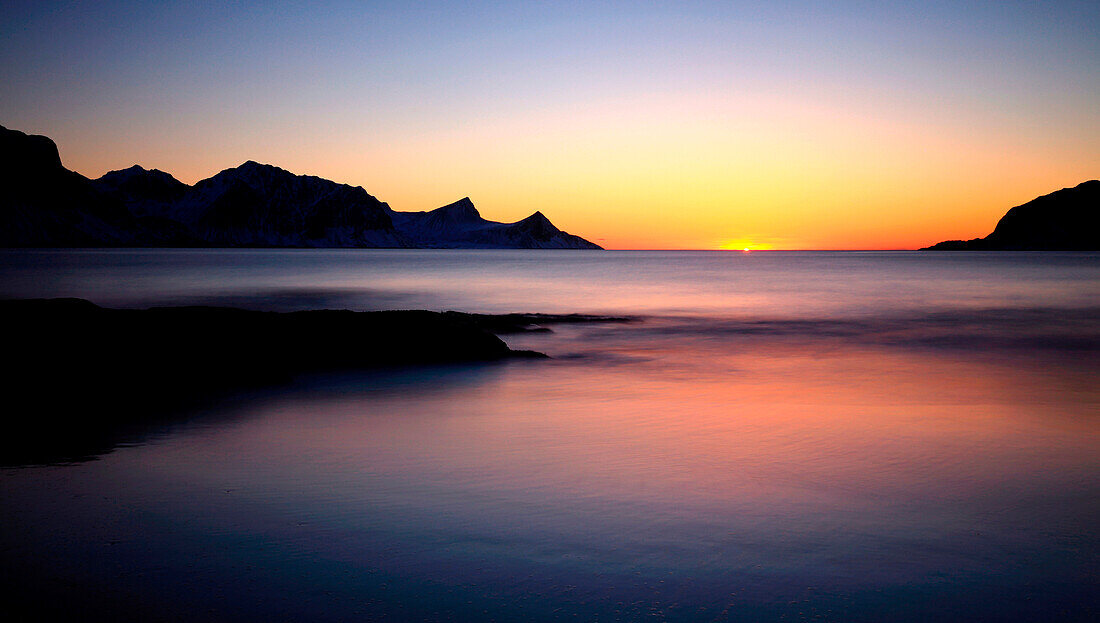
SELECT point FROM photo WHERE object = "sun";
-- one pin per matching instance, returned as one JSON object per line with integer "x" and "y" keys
{"x": 744, "y": 245}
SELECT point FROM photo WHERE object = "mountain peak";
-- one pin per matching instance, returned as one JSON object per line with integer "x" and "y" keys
{"x": 252, "y": 165}
{"x": 247, "y": 169}
{"x": 537, "y": 217}
{"x": 138, "y": 171}
{"x": 137, "y": 185}
{"x": 462, "y": 210}
{"x": 538, "y": 224}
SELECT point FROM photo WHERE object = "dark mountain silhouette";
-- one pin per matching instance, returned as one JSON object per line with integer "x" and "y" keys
{"x": 1064, "y": 220}
{"x": 45, "y": 204}
{"x": 262, "y": 205}
{"x": 136, "y": 186}
{"x": 254, "y": 205}
{"x": 459, "y": 225}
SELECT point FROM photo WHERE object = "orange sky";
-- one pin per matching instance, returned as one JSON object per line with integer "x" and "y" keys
{"x": 693, "y": 126}
{"x": 684, "y": 173}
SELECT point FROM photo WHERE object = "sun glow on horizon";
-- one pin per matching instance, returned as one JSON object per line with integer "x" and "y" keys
{"x": 745, "y": 245}
{"x": 663, "y": 127}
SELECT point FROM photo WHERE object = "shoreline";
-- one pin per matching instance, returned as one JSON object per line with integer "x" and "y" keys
{"x": 81, "y": 371}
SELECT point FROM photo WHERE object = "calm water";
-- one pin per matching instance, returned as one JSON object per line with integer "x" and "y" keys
{"x": 779, "y": 436}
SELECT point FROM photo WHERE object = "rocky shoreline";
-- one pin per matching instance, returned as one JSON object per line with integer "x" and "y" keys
{"x": 77, "y": 369}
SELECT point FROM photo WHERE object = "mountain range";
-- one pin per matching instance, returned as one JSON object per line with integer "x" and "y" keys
{"x": 43, "y": 204}
{"x": 1064, "y": 220}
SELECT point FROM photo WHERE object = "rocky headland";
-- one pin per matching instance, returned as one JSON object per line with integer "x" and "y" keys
{"x": 78, "y": 373}
{"x": 1064, "y": 220}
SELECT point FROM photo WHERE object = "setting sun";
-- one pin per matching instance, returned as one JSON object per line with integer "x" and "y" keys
{"x": 745, "y": 244}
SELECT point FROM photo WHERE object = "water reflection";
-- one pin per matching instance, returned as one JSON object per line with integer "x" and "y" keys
{"x": 765, "y": 284}
{"x": 849, "y": 437}
{"x": 44, "y": 438}
{"x": 705, "y": 483}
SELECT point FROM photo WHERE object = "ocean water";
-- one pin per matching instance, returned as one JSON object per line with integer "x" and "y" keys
{"x": 774, "y": 436}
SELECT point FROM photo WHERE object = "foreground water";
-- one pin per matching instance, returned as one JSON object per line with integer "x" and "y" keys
{"x": 843, "y": 436}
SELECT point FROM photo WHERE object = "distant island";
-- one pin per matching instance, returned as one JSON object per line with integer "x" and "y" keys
{"x": 43, "y": 204}
{"x": 1064, "y": 220}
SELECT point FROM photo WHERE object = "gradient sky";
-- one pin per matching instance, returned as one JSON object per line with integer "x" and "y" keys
{"x": 634, "y": 124}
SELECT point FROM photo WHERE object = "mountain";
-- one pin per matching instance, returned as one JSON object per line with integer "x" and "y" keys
{"x": 1064, "y": 220}
{"x": 262, "y": 205}
{"x": 135, "y": 186}
{"x": 43, "y": 204}
{"x": 460, "y": 225}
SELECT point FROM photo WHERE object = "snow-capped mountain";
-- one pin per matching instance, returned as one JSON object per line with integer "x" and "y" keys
{"x": 260, "y": 205}
{"x": 460, "y": 225}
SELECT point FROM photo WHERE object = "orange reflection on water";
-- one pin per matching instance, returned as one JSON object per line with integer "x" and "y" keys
{"x": 769, "y": 433}
{"x": 710, "y": 472}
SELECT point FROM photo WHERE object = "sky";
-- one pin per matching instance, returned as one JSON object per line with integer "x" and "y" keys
{"x": 638, "y": 125}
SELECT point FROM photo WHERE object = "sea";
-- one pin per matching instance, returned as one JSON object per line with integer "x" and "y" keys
{"x": 769, "y": 436}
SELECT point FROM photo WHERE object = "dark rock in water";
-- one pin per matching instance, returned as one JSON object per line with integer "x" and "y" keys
{"x": 1065, "y": 220}
{"x": 76, "y": 369}
{"x": 253, "y": 205}
{"x": 504, "y": 324}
